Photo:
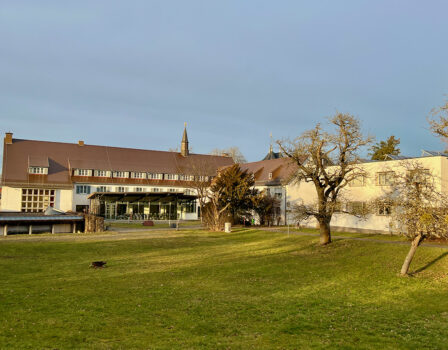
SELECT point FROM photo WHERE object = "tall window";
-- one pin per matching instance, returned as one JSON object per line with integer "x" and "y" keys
{"x": 139, "y": 189}
{"x": 385, "y": 178}
{"x": 82, "y": 189}
{"x": 121, "y": 189}
{"x": 101, "y": 189}
{"x": 37, "y": 200}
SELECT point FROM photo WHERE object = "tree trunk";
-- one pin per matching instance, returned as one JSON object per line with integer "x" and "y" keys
{"x": 407, "y": 262}
{"x": 325, "y": 233}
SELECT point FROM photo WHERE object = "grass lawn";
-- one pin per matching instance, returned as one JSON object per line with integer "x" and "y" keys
{"x": 193, "y": 289}
{"x": 157, "y": 225}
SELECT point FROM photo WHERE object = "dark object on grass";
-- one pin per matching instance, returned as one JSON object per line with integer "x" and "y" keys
{"x": 148, "y": 223}
{"x": 98, "y": 264}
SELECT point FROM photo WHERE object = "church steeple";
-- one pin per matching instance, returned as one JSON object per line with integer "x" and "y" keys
{"x": 184, "y": 145}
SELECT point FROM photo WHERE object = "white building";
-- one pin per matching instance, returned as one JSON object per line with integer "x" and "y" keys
{"x": 120, "y": 182}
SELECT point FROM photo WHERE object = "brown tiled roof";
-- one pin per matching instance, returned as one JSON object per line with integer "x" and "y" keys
{"x": 281, "y": 169}
{"x": 62, "y": 157}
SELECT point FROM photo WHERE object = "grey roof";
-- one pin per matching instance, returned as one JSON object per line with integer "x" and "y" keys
{"x": 433, "y": 153}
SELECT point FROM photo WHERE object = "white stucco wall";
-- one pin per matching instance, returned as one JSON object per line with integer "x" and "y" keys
{"x": 305, "y": 192}
{"x": 11, "y": 199}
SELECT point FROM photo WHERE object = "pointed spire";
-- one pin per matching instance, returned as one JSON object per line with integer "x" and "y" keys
{"x": 184, "y": 145}
{"x": 185, "y": 137}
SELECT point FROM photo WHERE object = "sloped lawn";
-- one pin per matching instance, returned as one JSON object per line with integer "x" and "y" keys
{"x": 248, "y": 289}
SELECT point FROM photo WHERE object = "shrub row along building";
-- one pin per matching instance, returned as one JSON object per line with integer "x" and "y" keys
{"x": 123, "y": 183}
{"x": 117, "y": 183}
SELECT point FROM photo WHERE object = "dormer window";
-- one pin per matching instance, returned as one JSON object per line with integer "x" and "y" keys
{"x": 171, "y": 176}
{"x": 137, "y": 175}
{"x": 83, "y": 172}
{"x": 101, "y": 173}
{"x": 37, "y": 170}
{"x": 153, "y": 176}
{"x": 121, "y": 174}
{"x": 270, "y": 176}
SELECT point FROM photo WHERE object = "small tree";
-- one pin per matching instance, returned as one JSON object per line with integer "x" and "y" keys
{"x": 383, "y": 148}
{"x": 214, "y": 216}
{"x": 313, "y": 152}
{"x": 233, "y": 152}
{"x": 236, "y": 190}
{"x": 418, "y": 209}
{"x": 266, "y": 207}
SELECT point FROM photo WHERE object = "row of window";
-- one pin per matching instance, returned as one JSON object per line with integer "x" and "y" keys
{"x": 87, "y": 189}
{"x": 137, "y": 175}
{"x": 387, "y": 178}
{"x": 361, "y": 207}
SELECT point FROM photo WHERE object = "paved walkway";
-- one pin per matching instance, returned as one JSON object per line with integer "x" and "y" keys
{"x": 142, "y": 233}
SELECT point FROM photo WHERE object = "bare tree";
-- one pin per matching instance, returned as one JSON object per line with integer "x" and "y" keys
{"x": 198, "y": 175}
{"x": 329, "y": 161}
{"x": 439, "y": 126}
{"x": 233, "y": 152}
{"x": 418, "y": 208}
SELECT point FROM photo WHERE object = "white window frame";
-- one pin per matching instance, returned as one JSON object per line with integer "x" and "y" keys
{"x": 385, "y": 178}
{"x": 139, "y": 189}
{"x": 101, "y": 173}
{"x": 155, "y": 176}
{"x": 82, "y": 189}
{"x": 101, "y": 189}
{"x": 120, "y": 174}
{"x": 38, "y": 170}
{"x": 138, "y": 175}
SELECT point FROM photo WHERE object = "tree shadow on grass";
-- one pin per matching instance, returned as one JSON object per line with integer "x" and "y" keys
{"x": 432, "y": 262}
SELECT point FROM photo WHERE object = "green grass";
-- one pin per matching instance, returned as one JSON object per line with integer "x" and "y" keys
{"x": 156, "y": 224}
{"x": 199, "y": 290}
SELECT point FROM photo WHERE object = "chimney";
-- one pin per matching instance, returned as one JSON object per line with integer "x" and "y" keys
{"x": 8, "y": 138}
{"x": 80, "y": 143}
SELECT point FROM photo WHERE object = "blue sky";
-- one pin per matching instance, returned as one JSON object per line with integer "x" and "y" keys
{"x": 130, "y": 73}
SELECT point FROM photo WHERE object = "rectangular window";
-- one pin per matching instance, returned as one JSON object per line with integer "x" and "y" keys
{"x": 171, "y": 176}
{"x": 83, "y": 172}
{"x": 120, "y": 174}
{"x": 37, "y": 170}
{"x": 384, "y": 209}
{"x": 122, "y": 189}
{"x": 385, "y": 178}
{"x": 154, "y": 176}
{"x": 155, "y": 189}
{"x": 357, "y": 207}
{"x": 358, "y": 181}
{"x": 101, "y": 189}
{"x": 136, "y": 175}
{"x": 101, "y": 173}
{"x": 82, "y": 189}
{"x": 419, "y": 175}
{"x": 172, "y": 190}
{"x": 37, "y": 200}
{"x": 270, "y": 176}
{"x": 139, "y": 189}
